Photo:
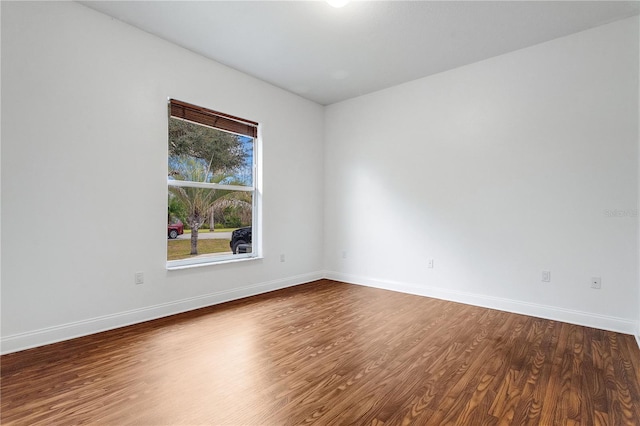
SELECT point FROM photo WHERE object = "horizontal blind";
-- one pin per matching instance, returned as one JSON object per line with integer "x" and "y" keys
{"x": 212, "y": 118}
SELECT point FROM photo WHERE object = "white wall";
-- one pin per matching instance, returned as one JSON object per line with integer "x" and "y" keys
{"x": 84, "y": 121}
{"x": 497, "y": 170}
{"x": 638, "y": 329}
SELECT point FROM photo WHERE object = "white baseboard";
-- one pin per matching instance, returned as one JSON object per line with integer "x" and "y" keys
{"x": 45, "y": 336}
{"x": 554, "y": 313}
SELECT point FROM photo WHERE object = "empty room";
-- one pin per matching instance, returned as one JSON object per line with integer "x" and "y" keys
{"x": 377, "y": 212}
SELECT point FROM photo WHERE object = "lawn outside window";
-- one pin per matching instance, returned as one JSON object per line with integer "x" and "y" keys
{"x": 212, "y": 186}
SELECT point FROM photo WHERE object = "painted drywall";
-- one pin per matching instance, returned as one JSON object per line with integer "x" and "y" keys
{"x": 499, "y": 170}
{"x": 84, "y": 122}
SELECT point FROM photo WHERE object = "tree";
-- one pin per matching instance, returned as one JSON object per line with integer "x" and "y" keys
{"x": 202, "y": 154}
{"x": 234, "y": 209}
{"x": 222, "y": 151}
{"x": 175, "y": 209}
{"x": 199, "y": 203}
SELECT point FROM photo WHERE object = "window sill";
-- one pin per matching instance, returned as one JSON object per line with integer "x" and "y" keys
{"x": 211, "y": 263}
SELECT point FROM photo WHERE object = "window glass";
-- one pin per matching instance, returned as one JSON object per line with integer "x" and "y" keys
{"x": 211, "y": 191}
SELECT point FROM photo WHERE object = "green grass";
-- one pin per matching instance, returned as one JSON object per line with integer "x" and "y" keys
{"x": 180, "y": 249}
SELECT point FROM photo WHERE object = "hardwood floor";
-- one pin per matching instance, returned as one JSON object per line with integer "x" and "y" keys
{"x": 328, "y": 353}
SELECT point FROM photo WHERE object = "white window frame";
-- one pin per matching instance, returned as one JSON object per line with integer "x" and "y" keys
{"x": 256, "y": 213}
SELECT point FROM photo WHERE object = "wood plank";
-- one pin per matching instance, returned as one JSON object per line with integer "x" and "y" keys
{"x": 329, "y": 353}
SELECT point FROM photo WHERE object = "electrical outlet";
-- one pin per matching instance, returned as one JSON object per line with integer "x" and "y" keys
{"x": 596, "y": 282}
{"x": 430, "y": 263}
{"x": 282, "y": 259}
{"x": 546, "y": 276}
{"x": 139, "y": 278}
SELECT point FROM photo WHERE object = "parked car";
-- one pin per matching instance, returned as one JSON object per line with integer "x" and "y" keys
{"x": 175, "y": 229}
{"x": 241, "y": 240}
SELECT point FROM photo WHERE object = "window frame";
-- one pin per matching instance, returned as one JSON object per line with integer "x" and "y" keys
{"x": 244, "y": 126}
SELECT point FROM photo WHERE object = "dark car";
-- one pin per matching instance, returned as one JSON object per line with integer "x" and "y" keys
{"x": 175, "y": 229}
{"x": 241, "y": 240}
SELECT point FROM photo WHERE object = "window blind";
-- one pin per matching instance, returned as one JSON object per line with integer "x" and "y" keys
{"x": 212, "y": 118}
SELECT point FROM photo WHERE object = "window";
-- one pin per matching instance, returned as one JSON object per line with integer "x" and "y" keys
{"x": 212, "y": 205}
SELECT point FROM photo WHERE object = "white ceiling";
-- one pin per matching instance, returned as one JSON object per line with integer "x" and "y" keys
{"x": 328, "y": 55}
